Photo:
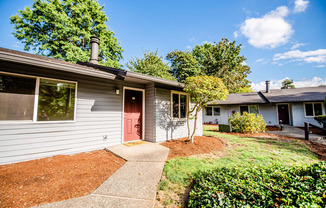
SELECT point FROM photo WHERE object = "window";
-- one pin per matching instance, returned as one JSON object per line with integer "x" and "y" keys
{"x": 254, "y": 109}
{"x": 179, "y": 105}
{"x": 19, "y": 100}
{"x": 56, "y": 101}
{"x": 244, "y": 108}
{"x": 217, "y": 111}
{"x": 209, "y": 111}
{"x": 17, "y": 95}
{"x": 313, "y": 109}
{"x": 249, "y": 109}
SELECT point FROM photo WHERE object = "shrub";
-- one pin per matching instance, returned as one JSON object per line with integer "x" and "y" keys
{"x": 321, "y": 120}
{"x": 247, "y": 123}
{"x": 273, "y": 186}
{"x": 224, "y": 128}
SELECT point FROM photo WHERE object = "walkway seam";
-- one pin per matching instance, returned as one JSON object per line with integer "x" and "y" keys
{"x": 119, "y": 197}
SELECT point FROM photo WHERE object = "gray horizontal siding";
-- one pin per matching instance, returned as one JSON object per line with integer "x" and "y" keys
{"x": 167, "y": 128}
{"x": 99, "y": 113}
{"x": 149, "y": 113}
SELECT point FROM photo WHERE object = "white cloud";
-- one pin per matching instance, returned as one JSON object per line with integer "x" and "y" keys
{"x": 317, "y": 56}
{"x": 300, "y": 6}
{"x": 188, "y": 47}
{"x": 244, "y": 63}
{"x": 192, "y": 39}
{"x": 236, "y": 34}
{"x": 269, "y": 31}
{"x": 297, "y": 45}
{"x": 209, "y": 42}
{"x": 276, "y": 84}
{"x": 260, "y": 60}
{"x": 320, "y": 66}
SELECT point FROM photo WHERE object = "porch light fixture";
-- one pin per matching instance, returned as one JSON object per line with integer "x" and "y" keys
{"x": 117, "y": 91}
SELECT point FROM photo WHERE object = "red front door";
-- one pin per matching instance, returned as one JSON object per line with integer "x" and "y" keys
{"x": 133, "y": 116}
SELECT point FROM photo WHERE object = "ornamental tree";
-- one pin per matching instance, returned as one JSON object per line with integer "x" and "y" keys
{"x": 202, "y": 89}
{"x": 62, "y": 29}
{"x": 287, "y": 83}
{"x": 151, "y": 64}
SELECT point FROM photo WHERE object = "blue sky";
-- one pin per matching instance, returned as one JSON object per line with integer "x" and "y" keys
{"x": 280, "y": 38}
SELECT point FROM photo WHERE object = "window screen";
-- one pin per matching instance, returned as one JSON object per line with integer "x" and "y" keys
{"x": 318, "y": 109}
{"x": 217, "y": 111}
{"x": 183, "y": 106}
{"x": 56, "y": 100}
{"x": 16, "y": 97}
{"x": 254, "y": 109}
{"x": 209, "y": 111}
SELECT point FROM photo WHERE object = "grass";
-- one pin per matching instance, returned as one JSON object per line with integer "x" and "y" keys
{"x": 239, "y": 152}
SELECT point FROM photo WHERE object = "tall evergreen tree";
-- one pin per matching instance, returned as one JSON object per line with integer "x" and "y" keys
{"x": 62, "y": 29}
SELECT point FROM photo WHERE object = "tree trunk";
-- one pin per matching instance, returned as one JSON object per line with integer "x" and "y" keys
{"x": 195, "y": 126}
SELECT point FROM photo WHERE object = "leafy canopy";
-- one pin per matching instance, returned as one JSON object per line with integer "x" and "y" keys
{"x": 183, "y": 64}
{"x": 223, "y": 60}
{"x": 287, "y": 83}
{"x": 203, "y": 89}
{"x": 151, "y": 64}
{"x": 62, "y": 29}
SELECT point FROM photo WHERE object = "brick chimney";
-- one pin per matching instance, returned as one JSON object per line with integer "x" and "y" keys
{"x": 95, "y": 41}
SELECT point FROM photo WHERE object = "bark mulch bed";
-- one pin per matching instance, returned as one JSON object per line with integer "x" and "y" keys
{"x": 273, "y": 128}
{"x": 55, "y": 178}
{"x": 202, "y": 144}
{"x": 315, "y": 130}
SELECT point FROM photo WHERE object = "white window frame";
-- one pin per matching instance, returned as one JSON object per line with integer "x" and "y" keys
{"x": 36, "y": 96}
{"x": 313, "y": 108}
{"x": 213, "y": 113}
{"x": 187, "y": 104}
{"x": 206, "y": 111}
{"x": 248, "y": 109}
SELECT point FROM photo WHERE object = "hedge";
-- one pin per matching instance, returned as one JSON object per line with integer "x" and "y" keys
{"x": 255, "y": 186}
{"x": 247, "y": 123}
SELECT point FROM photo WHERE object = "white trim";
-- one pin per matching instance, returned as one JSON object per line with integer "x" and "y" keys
{"x": 123, "y": 112}
{"x": 187, "y": 104}
{"x": 313, "y": 108}
{"x": 36, "y": 98}
{"x": 213, "y": 112}
{"x": 249, "y": 111}
{"x": 37, "y": 91}
{"x": 289, "y": 112}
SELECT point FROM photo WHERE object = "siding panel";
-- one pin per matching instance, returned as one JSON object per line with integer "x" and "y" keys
{"x": 98, "y": 113}
{"x": 167, "y": 128}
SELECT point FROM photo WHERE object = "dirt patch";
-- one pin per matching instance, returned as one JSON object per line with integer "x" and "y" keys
{"x": 55, "y": 178}
{"x": 202, "y": 144}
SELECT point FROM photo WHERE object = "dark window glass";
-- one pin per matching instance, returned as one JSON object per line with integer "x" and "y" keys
{"x": 318, "y": 109}
{"x": 254, "y": 109}
{"x": 217, "y": 111}
{"x": 16, "y": 97}
{"x": 309, "y": 109}
{"x": 209, "y": 111}
{"x": 175, "y": 98}
{"x": 183, "y": 106}
{"x": 56, "y": 101}
{"x": 243, "y": 109}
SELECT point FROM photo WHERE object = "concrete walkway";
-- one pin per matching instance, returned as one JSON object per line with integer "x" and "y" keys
{"x": 133, "y": 185}
{"x": 295, "y": 132}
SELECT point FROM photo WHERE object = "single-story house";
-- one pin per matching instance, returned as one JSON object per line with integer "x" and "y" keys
{"x": 279, "y": 106}
{"x": 50, "y": 107}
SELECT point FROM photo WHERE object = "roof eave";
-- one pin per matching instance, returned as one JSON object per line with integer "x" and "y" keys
{"x": 73, "y": 68}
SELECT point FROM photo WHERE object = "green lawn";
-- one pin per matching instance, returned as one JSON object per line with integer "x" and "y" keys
{"x": 239, "y": 152}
